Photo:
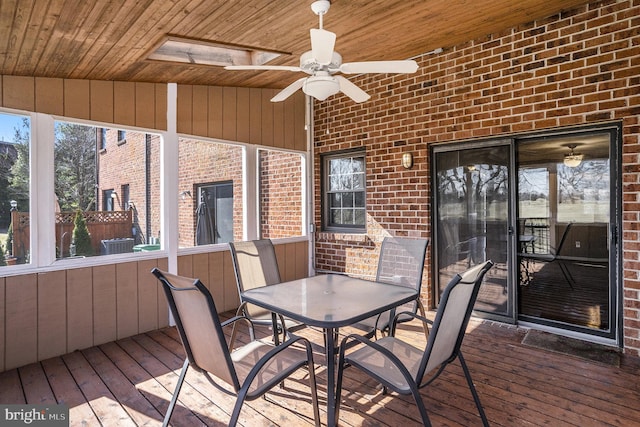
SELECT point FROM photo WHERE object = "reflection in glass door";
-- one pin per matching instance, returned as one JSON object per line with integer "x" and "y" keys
{"x": 543, "y": 209}
{"x": 564, "y": 217}
{"x": 472, "y": 213}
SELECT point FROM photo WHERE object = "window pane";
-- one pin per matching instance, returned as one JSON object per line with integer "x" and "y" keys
{"x": 15, "y": 137}
{"x": 347, "y": 200}
{"x": 335, "y": 200}
{"x": 358, "y": 181}
{"x": 346, "y": 184}
{"x": 210, "y": 193}
{"x": 336, "y": 216}
{"x": 281, "y": 195}
{"x": 347, "y": 216}
{"x": 106, "y": 191}
{"x": 583, "y": 192}
{"x": 357, "y": 165}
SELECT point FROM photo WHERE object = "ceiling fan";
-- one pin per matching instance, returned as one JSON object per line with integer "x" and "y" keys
{"x": 322, "y": 63}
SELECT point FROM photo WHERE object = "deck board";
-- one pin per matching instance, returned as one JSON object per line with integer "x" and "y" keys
{"x": 130, "y": 381}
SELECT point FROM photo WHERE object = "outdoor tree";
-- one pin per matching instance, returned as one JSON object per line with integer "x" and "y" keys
{"x": 75, "y": 166}
{"x": 8, "y": 156}
{"x": 19, "y": 172}
{"x": 81, "y": 237}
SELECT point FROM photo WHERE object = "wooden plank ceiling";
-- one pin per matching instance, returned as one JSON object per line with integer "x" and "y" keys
{"x": 110, "y": 40}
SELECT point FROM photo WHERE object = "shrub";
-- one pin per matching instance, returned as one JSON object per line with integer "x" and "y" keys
{"x": 81, "y": 237}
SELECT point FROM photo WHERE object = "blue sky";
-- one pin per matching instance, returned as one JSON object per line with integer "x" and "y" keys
{"x": 8, "y": 123}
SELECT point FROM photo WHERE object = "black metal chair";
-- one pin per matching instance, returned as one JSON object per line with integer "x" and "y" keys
{"x": 401, "y": 262}
{"x": 255, "y": 265}
{"x": 405, "y": 369}
{"x": 248, "y": 371}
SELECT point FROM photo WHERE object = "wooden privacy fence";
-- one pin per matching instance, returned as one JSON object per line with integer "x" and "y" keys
{"x": 102, "y": 225}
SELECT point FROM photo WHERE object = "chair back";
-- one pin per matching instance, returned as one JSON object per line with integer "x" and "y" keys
{"x": 255, "y": 265}
{"x": 199, "y": 326}
{"x": 452, "y": 318}
{"x": 563, "y": 239}
{"x": 401, "y": 262}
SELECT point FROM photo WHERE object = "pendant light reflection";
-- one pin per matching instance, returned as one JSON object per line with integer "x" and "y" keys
{"x": 573, "y": 160}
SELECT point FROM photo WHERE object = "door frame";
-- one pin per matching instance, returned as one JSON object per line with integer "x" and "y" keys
{"x": 511, "y": 312}
{"x": 614, "y": 335}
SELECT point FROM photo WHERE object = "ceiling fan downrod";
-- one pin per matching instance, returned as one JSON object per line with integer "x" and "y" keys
{"x": 320, "y": 7}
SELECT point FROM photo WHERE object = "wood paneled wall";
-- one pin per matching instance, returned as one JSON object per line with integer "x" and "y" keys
{"x": 57, "y": 312}
{"x": 242, "y": 114}
{"x": 234, "y": 114}
{"x": 52, "y": 313}
{"x": 126, "y": 103}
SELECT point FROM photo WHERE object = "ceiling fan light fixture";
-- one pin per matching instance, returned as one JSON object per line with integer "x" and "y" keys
{"x": 321, "y": 87}
{"x": 573, "y": 160}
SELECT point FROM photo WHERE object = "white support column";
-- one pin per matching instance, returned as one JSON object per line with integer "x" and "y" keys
{"x": 250, "y": 194}
{"x": 309, "y": 174}
{"x": 42, "y": 190}
{"x": 169, "y": 181}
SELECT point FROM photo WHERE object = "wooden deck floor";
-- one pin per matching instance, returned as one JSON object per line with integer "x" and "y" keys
{"x": 129, "y": 382}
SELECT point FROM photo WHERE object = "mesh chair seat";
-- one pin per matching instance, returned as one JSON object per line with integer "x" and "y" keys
{"x": 245, "y": 359}
{"x": 372, "y": 360}
{"x": 404, "y": 368}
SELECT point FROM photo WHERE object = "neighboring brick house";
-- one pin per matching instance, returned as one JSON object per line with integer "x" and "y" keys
{"x": 123, "y": 168}
{"x": 127, "y": 164}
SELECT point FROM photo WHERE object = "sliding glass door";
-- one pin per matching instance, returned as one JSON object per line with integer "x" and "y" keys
{"x": 545, "y": 209}
{"x": 566, "y": 197}
{"x": 472, "y": 211}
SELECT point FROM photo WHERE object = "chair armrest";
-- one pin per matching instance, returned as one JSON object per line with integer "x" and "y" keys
{"x": 426, "y": 322}
{"x": 384, "y": 351}
{"x": 273, "y": 353}
{"x": 232, "y": 321}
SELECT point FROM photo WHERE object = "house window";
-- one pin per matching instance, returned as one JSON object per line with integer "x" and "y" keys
{"x": 122, "y": 137}
{"x": 102, "y": 138}
{"x": 214, "y": 215}
{"x": 344, "y": 190}
{"x": 124, "y": 193}
{"x": 108, "y": 200}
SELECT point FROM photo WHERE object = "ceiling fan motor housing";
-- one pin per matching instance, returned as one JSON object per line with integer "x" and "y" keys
{"x": 310, "y": 65}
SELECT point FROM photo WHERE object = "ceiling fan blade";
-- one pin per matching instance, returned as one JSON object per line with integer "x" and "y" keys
{"x": 409, "y": 66}
{"x": 351, "y": 90}
{"x": 262, "y": 67}
{"x": 289, "y": 90}
{"x": 322, "y": 43}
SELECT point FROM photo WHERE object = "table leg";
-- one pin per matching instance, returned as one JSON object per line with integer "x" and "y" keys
{"x": 331, "y": 379}
{"x": 276, "y": 335}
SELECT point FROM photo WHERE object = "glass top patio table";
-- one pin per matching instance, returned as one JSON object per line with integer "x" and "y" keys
{"x": 330, "y": 301}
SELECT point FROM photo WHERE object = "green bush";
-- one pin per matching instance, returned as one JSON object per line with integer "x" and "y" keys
{"x": 10, "y": 239}
{"x": 81, "y": 237}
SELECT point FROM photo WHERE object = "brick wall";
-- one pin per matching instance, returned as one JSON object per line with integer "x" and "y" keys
{"x": 204, "y": 162}
{"x": 280, "y": 194}
{"x": 581, "y": 66}
{"x": 122, "y": 163}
